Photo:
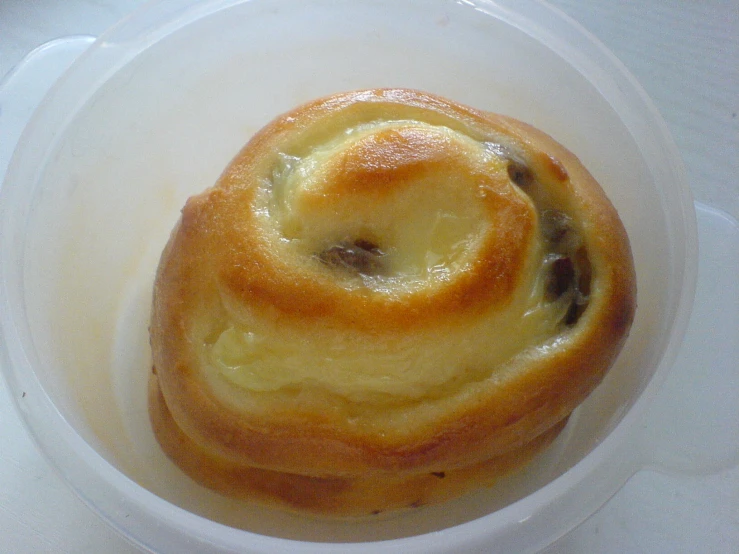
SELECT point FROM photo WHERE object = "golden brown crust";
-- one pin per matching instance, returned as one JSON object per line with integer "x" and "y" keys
{"x": 331, "y": 496}
{"x": 226, "y": 266}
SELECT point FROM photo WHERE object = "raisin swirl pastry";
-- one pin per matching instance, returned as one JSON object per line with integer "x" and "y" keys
{"x": 387, "y": 299}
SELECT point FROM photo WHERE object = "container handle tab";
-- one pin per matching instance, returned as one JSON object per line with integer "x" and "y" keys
{"x": 24, "y": 86}
{"x": 693, "y": 425}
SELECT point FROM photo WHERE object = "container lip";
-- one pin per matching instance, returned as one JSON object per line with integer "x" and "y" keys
{"x": 17, "y": 365}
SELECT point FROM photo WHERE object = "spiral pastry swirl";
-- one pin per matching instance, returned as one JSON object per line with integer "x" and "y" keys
{"x": 386, "y": 300}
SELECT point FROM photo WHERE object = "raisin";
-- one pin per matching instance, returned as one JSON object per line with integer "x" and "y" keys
{"x": 574, "y": 312}
{"x": 556, "y": 226}
{"x": 520, "y": 174}
{"x": 583, "y": 264}
{"x": 360, "y": 256}
{"x": 560, "y": 279}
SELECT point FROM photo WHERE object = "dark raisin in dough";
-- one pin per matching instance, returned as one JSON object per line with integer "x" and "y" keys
{"x": 360, "y": 256}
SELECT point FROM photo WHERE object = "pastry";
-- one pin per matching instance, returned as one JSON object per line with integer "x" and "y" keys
{"x": 387, "y": 299}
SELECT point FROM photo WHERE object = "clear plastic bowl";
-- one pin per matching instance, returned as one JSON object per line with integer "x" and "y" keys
{"x": 155, "y": 109}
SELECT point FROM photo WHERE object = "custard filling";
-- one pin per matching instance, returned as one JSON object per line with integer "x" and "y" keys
{"x": 395, "y": 208}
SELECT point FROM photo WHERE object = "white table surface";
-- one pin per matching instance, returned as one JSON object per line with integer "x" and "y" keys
{"x": 685, "y": 53}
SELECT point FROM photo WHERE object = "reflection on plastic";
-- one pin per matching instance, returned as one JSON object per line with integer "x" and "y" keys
{"x": 23, "y": 88}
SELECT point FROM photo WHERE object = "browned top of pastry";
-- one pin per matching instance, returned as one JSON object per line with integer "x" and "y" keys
{"x": 386, "y": 280}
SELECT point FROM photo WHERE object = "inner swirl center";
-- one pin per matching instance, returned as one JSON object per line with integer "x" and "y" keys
{"x": 413, "y": 190}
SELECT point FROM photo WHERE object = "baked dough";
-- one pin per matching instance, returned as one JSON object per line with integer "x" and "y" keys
{"x": 386, "y": 300}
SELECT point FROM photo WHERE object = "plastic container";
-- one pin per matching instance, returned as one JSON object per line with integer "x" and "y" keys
{"x": 153, "y": 111}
